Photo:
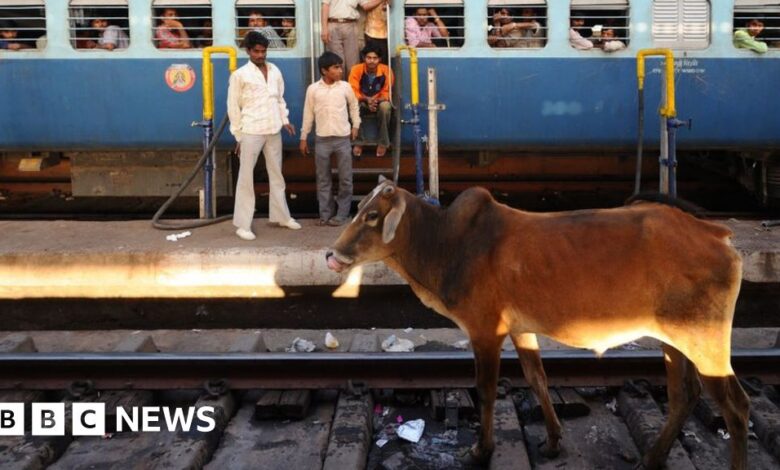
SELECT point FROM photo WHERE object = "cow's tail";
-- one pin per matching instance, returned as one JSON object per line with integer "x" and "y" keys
{"x": 660, "y": 198}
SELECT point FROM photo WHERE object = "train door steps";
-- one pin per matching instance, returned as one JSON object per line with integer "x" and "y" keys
{"x": 129, "y": 259}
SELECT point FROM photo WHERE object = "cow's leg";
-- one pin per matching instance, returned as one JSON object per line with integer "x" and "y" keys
{"x": 528, "y": 351}
{"x": 683, "y": 389}
{"x": 487, "y": 356}
{"x": 735, "y": 406}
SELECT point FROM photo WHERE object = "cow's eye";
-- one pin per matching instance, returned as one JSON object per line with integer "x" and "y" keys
{"x": 372, "y": 216}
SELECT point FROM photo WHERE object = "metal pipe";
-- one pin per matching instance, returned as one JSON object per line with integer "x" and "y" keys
{"x": 671, "y": 159}
{"x": 209, "y": 175}
{"x": 668, "y": 111}
{"x": 433, "y": 136}
{"x": 669, "y": 103}
{"x": 640, "y": 140}
{"x": 415, "y": 121}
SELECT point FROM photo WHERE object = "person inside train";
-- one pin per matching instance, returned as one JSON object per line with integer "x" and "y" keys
{"x": 258, "y": 112}
{"x": 423, "y": 27}
{"x": 257, "y": 22}
{"x": 205, "y": 39}
{"x": 371, "y": 82}
{"x": 9, "y": 39}
{"x": 170, "y": 32}
{"x": 288, "y": 31}
{"x": 109, "y": 36}
{"x": 375, "y": 32}
{"x": 746, "y": 38}
{"x": 609, "y": 41}
{"x": 330, "y": 105}
{"x": 340, "y": 33}
{"x": 576, "y": 39}
{"x": 509, "y": 33}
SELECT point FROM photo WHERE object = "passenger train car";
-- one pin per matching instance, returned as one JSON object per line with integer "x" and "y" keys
{"x": 62, "y": 94}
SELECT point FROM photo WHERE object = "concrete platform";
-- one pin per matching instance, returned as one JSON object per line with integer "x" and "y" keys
{"x": 70, "y": 259}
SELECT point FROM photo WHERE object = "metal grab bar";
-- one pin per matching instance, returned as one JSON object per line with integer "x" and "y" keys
{"x": 668, "y": 110}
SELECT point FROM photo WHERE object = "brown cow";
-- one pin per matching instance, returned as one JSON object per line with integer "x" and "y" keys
{"x": 590, "y": 279}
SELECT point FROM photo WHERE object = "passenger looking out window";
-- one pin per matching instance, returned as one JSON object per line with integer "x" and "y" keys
{"x": 9, "y": 38}
{"x": 288, "y": 31}
{"x": 746, "y": 38}
{"x": 423, "y": 27}
{"x": 109, "y": 36}
{"x": 371, "y": 82}
{"x": 257, "y": 22}
{"x": 170, "y": 33}
{"x": 506, "y": 32}
{"x": 609, "y": 41}
{"x": 576, "y": 39}
{"x": 204, "y": 39}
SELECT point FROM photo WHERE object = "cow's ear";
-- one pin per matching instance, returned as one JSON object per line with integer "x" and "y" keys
{"x": 382, "y": 179}
{"x": 392, "y": 219}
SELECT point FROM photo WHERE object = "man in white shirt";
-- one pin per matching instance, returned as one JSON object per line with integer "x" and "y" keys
{"x": 328, "y": 102}
{"x": 575, "y": 38}
{"x": 257, "y": 113}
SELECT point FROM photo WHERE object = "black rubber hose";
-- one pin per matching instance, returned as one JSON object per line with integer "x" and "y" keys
{"x": 640, "y": 139}
{"x": 156, "y": 223}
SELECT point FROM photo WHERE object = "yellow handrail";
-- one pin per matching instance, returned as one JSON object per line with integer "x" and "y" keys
{"x": 668, "y": 110}
{"x": 413, "y": 71}
{"x": 208, "y": 75}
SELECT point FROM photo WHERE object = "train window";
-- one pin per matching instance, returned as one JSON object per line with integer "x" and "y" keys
{"x": 99, "y": 24}
{"x": 517, "y": 24}
{"x": 275, "y": 19}
{"x": 22, "y": 25}
{"x": 760, "y": 21}
{"x": 599, "y": 24}
{"x": 434, "y": 23}
{"x": 681, "y": 24}
{"x": 182, "y": 24}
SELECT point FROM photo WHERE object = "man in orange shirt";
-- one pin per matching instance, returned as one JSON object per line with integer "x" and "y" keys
{"x": 371, "y": 82}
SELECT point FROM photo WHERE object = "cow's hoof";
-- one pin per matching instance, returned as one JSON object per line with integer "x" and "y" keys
{"x": 549, "y": 451}
{"x": 650, "y": 463}
{"x": 477, "y": 456}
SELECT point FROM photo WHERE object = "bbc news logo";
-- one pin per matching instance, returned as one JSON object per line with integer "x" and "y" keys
{"x": 89, "y": 419}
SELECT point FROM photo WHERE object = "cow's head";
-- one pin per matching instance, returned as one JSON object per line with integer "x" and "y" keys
{"x": 368, "y": 237}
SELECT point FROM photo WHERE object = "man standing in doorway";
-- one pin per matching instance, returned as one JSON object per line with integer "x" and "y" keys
{"x": 340, "y": 29}
{"x": 257, "y": 113}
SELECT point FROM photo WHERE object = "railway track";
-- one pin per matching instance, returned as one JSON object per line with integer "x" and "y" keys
{"x": 342, "y": 408}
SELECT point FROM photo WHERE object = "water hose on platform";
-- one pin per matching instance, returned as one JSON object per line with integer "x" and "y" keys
{"x": 156, "y": 223}
{"x": 208, "y": 116}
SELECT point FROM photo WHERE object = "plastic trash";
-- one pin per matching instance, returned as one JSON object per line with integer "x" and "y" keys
{"x": 301, "y": 345}
{"x": 724, "y": 435}
{"x": 462, "y": 344}
{"x": 394, "y": 344}
{"x": 612, "y": 405}
{"x": 411, "y": 430}
{"x": 330, "y": 341}
{"x": 176, "y": 236}
{"x": 381, "y": 443}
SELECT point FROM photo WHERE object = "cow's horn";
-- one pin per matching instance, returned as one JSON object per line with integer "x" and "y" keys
{"x": 388, "y": 190}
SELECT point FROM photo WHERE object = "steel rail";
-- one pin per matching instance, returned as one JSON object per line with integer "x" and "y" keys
{"x": 111, "y": 371}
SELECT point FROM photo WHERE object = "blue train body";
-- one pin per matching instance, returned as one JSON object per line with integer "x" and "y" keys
{"x": 556, "y": 97}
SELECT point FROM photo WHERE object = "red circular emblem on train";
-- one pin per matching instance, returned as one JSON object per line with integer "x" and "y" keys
{"x": 180, "y": 77}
